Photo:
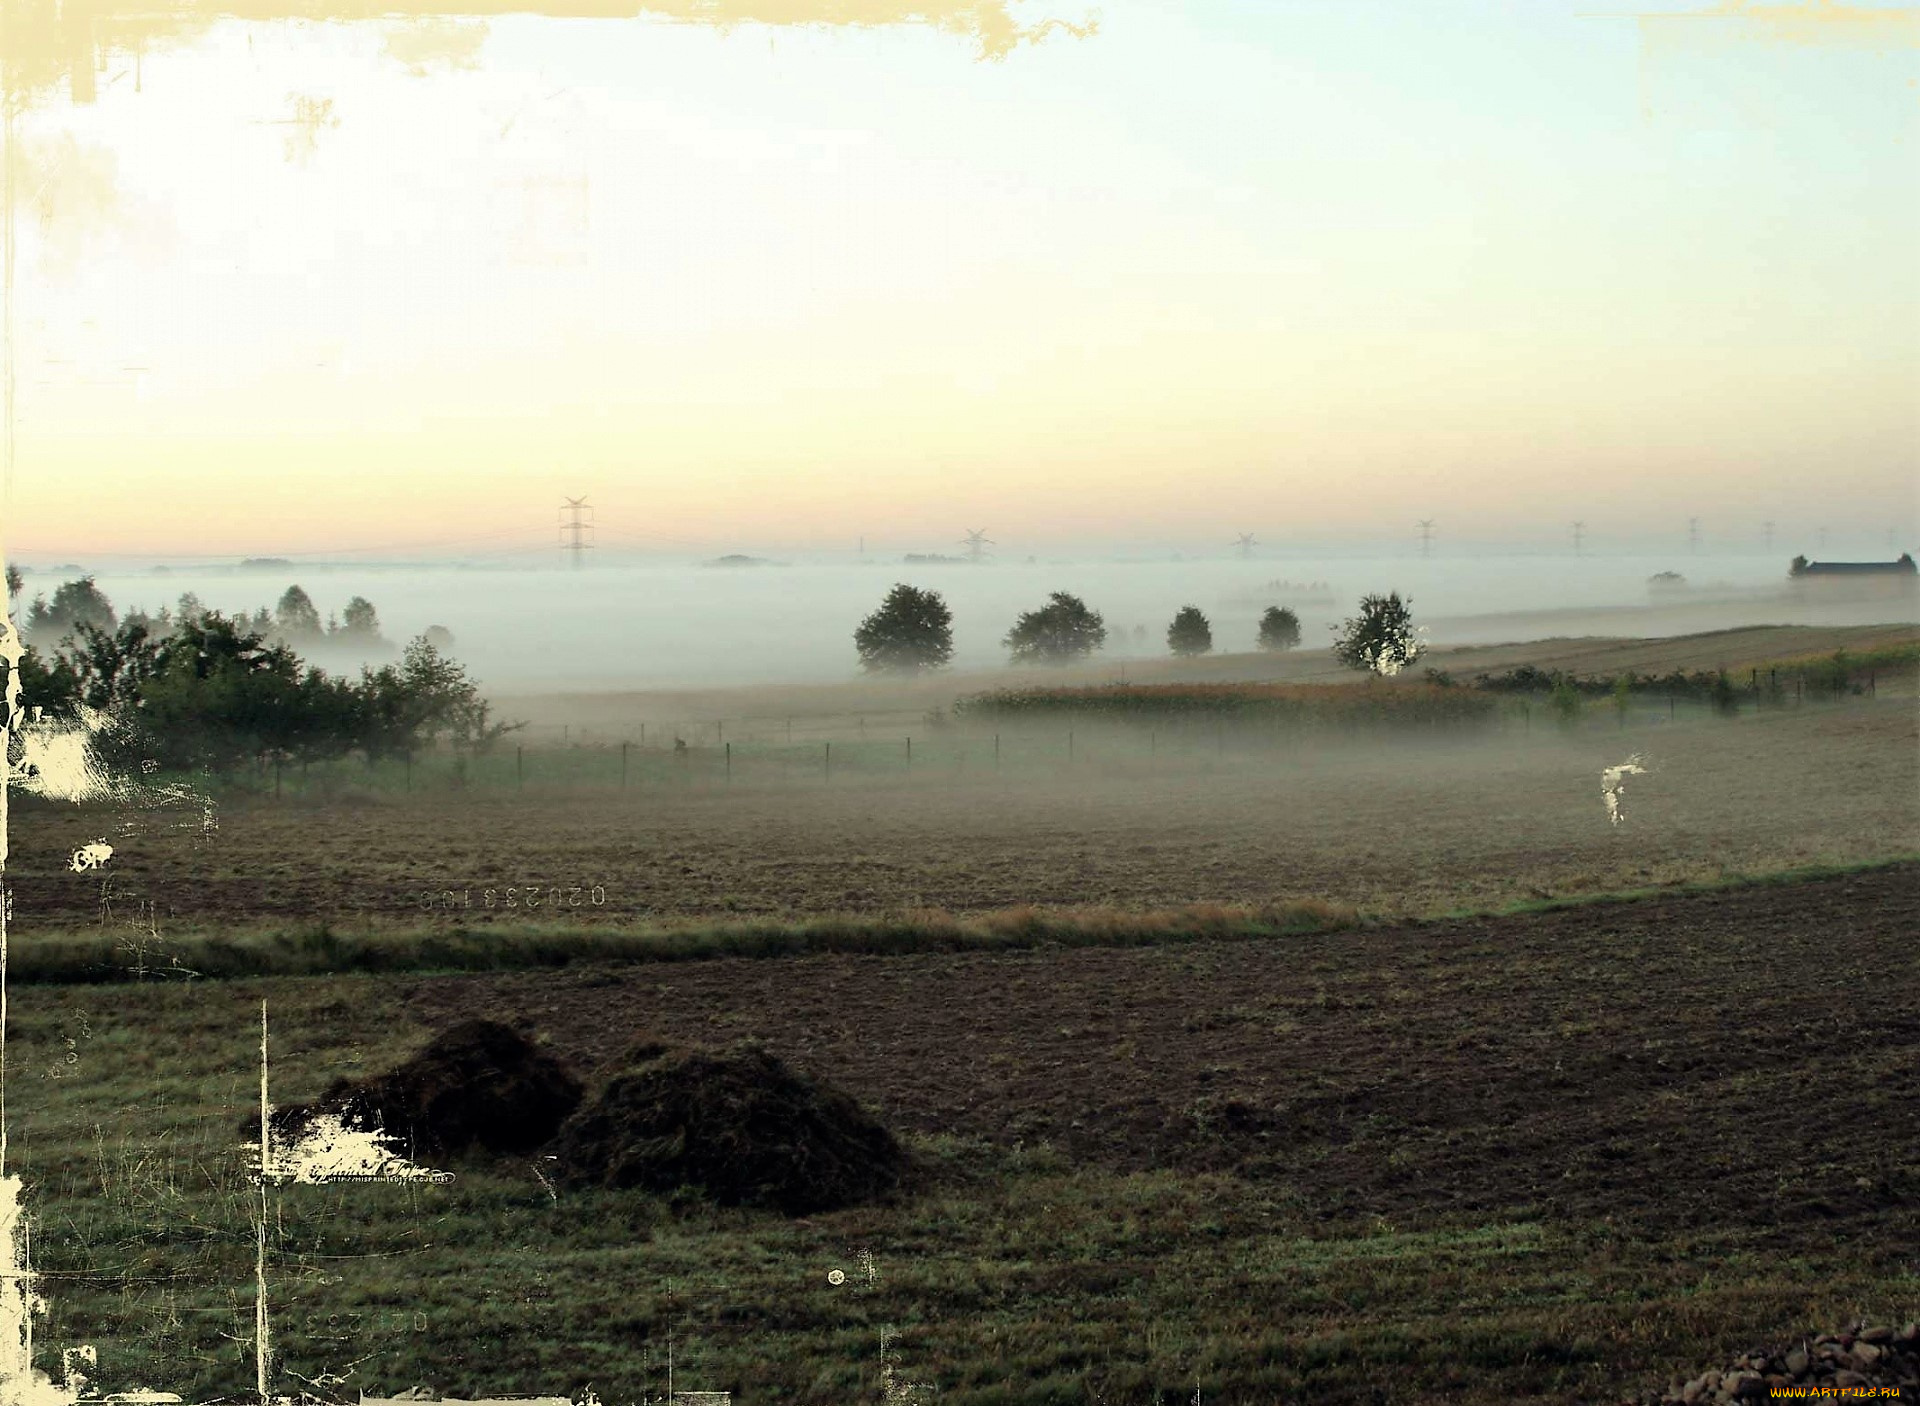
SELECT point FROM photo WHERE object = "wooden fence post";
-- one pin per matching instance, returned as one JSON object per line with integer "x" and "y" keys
{"x": 623, "y": 766}
{"x": 729, "y": 750}
{"x": 520, "y": 766}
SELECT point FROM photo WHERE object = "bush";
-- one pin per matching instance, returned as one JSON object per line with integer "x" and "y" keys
{"x": 1726, "y": 700}
{"x": 1189, "y": 634}
{"x": 1294, "y": 705}
{"x": 1061, "y": 630}
{"x": 912, "y": 630}
{"x": 1279, "y": 628}
{"x": 1565, "y": 702}
{"x": 1381, "y": 638}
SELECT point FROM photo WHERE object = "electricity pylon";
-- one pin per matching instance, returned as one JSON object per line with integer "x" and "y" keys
{"x": 1246, "y": 544}
{"x": 576, "y": 526}
{"x": 977, "y": 543}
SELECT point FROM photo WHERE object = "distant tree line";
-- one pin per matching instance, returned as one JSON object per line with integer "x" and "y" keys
{"x": 913, "y": 630}
{"x": 294, "y": 621}
{"x": 201, "y": 689}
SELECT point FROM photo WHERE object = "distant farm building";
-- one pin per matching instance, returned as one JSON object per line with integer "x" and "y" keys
{"x": 1855, "y": 578}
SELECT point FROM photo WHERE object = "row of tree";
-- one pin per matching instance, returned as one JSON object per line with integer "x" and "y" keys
{"x": 212, "y": 692}
{"x": 913, "y": 630}
{"x": 294, "y": 621}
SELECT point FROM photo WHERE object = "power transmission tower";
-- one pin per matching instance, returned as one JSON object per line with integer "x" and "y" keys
{"x": 1246, "y": 544}
{"x": 576, "y": 526}
{"x": 1579, "y": 535}
{"x": 977, "y": 543}
{"x": 1823, "y": 539}
{"x": 1426, "y": 536}
{"x": 1693, "y": 534}
{"x": 1769, "y": 527}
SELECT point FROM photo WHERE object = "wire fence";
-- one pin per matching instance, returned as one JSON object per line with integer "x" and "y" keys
{"x": 907, "y": 746}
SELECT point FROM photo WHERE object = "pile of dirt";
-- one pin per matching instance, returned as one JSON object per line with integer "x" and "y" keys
{"x": 737, "y": 1124}
{"x": 1860, "y": 1357}
{"x": 478, "y": 1084}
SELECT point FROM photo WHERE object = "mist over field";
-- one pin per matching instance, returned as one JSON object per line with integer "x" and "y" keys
{"x": 686, "y": 624}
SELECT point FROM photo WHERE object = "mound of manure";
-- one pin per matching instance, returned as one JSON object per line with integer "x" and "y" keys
{"x": 739, "y": 1125}
{"x": 478, "y": 1084}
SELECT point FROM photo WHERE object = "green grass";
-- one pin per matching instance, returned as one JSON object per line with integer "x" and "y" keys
{"x": 1018, "y": 1280}
{"x": 449, "y": 946}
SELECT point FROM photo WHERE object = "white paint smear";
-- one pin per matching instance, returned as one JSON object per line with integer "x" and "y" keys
{"x": 329, "y": 1151}
{"x": 93, "y": 856}
{"x": 20, "y": 1384}
{"x": 60, "y": 760}
{"x": 1612, "y": 783}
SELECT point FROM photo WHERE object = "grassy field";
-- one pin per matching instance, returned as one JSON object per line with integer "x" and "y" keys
{"x": 1551, "y": 1157}
{"x": 834, "y": 710}
{"x": 1212, "y": 1084}
{"x": 1116, "y": 817}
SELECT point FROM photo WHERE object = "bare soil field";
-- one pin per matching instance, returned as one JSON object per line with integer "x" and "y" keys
{"x": 1409, "y": 826}
{"x": 1748, "y": 1058}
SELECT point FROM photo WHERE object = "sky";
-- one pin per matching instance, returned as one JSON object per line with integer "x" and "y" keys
{"x": 1162, "y": 273}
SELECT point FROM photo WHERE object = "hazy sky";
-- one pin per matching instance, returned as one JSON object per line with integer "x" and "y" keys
{"x": 1303, "y": 269}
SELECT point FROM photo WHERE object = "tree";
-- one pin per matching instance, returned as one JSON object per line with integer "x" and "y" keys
{"x": 1189, "y": 633}
{"x": 220, "y": 694}
{"x": 912, "y": 630}
{"x": 359, "y": 620}
{"x": 1797, "y": 567}
{"x": 1061, "y": 630}
{"x": 188, "y": 608}
{"x": 1381, "y": 638}
{"x": 426, "y": 696}
{"x": 74, "y": 603}
{"x": 16, "y": 583}
{"x": 295, "y": 617}
{"x": 1279, "y": 628}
